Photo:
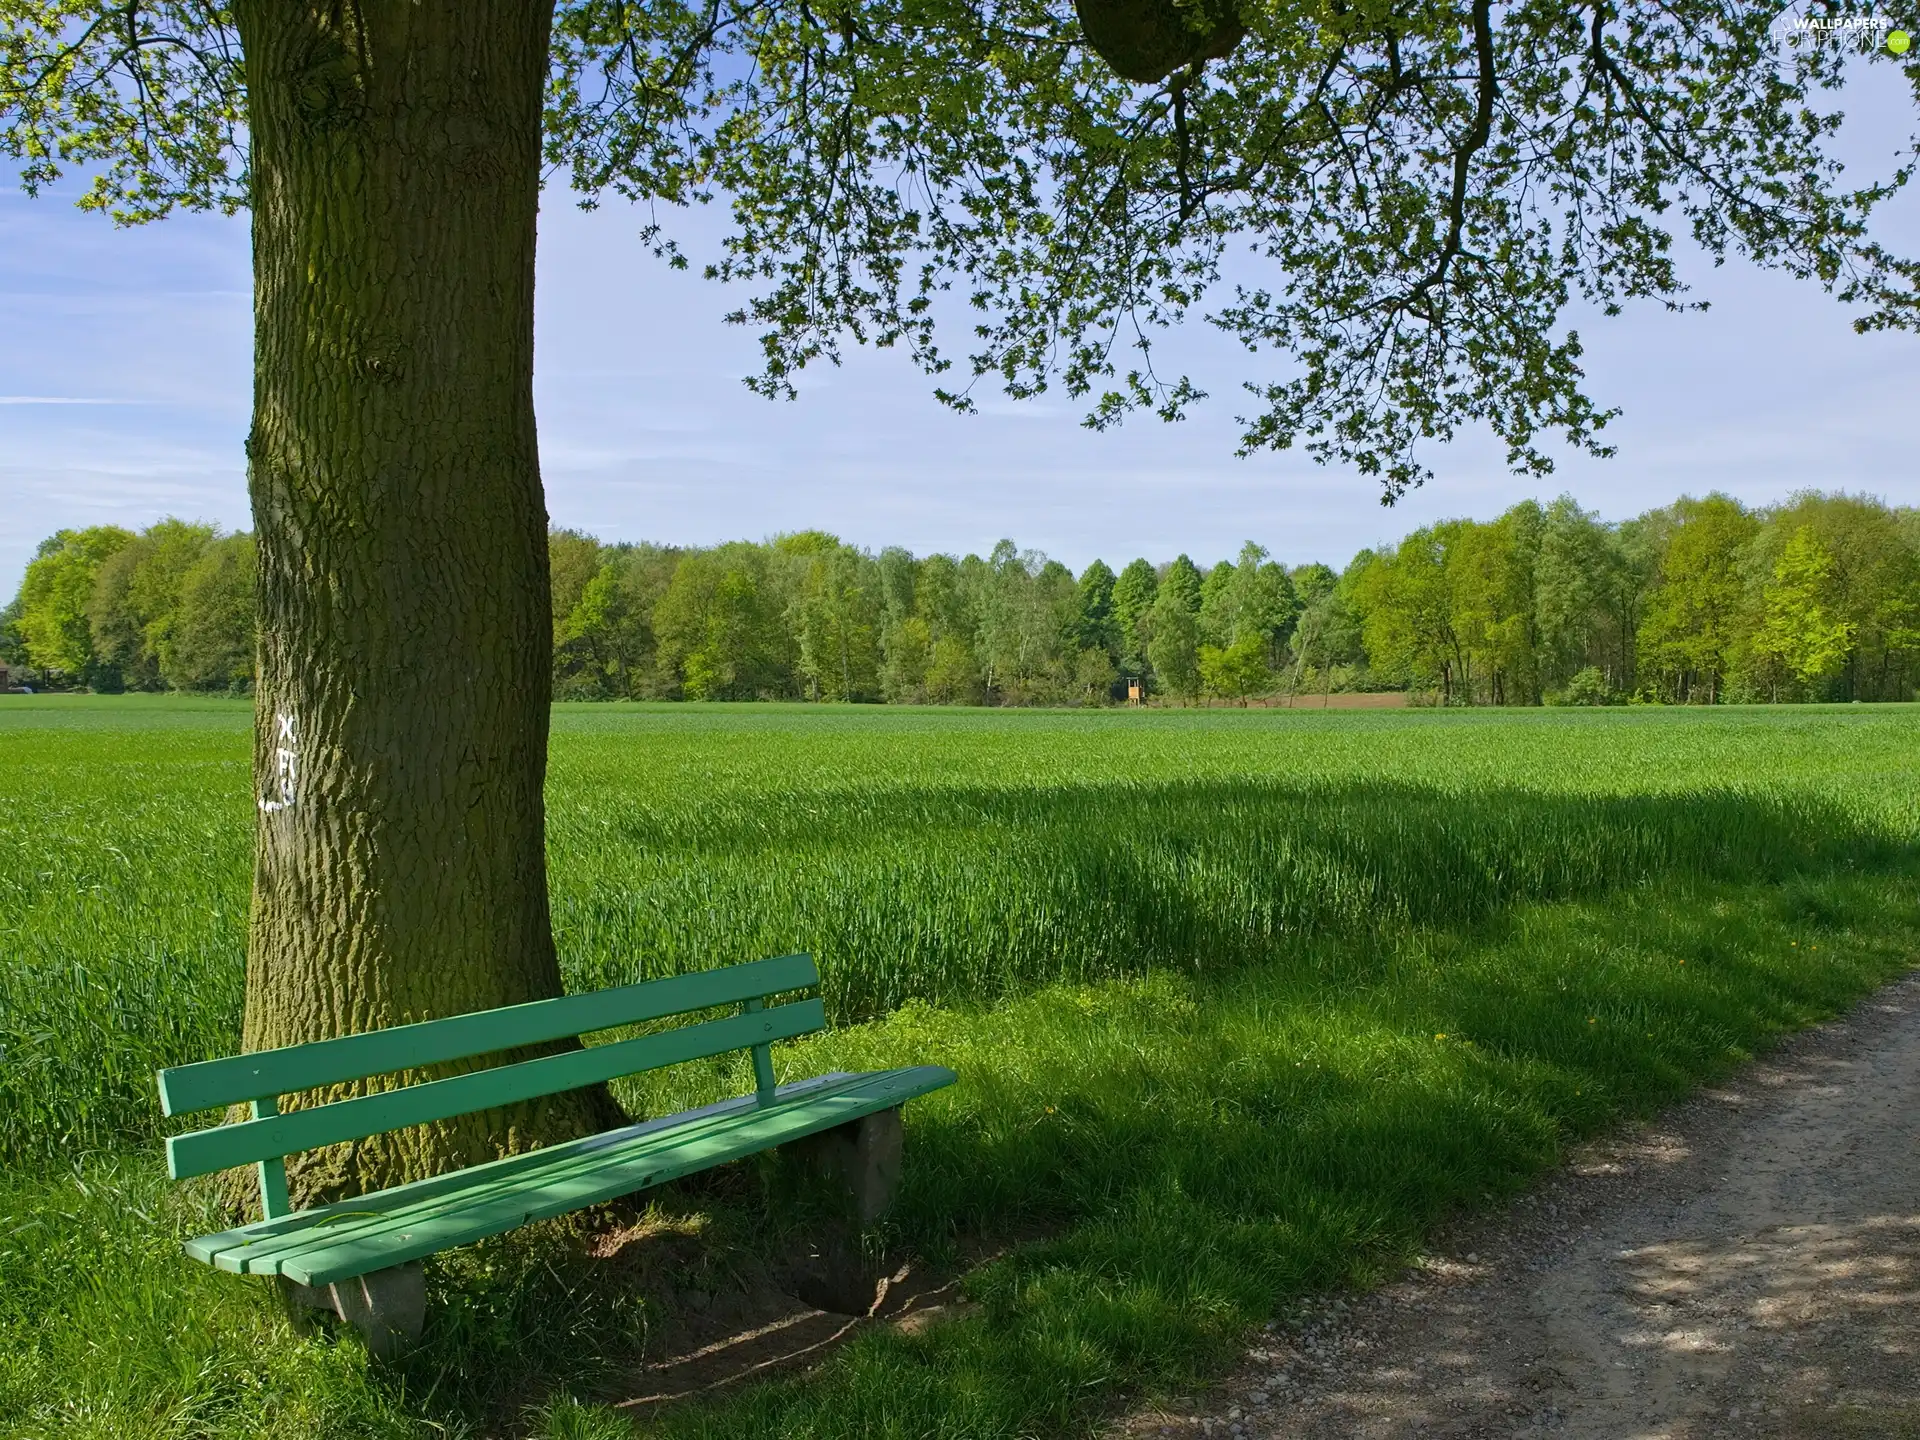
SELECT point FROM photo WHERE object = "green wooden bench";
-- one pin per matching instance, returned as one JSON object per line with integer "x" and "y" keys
{"x": 359, "y": 1257}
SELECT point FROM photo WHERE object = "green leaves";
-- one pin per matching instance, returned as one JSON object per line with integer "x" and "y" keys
{"x": 1426, "y": 192}
{"x": 1799, "y": 631}
{"x": 1413, "y": 195}
{"x": 148, "y": 98}
{"x": 55, "y": 594}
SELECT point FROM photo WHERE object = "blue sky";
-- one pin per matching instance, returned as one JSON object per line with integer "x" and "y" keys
{"x": 124, "y": 372}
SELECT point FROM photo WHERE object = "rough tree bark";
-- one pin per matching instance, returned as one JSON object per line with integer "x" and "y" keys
{"x": 401, "y": 732}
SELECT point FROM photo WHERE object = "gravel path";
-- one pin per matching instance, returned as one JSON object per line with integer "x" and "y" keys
{"x": 1747, "y": 1265}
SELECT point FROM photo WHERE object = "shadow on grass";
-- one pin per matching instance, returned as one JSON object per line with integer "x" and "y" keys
{"x": 127, "y": 952}
{"x": 1195, "y": 1151}
{"x": 970, "y": 895}
{"x": 1213, "y": 1103}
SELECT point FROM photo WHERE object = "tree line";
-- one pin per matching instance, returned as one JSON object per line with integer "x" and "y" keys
{"x": 170, "y": 608}
{"x": 1702, "y": 601}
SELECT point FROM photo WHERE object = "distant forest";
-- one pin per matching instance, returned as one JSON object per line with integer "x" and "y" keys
{"x": 1702, "y": 601}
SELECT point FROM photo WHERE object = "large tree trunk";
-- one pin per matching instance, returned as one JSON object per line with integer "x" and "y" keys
{"x": 400, "y": 750}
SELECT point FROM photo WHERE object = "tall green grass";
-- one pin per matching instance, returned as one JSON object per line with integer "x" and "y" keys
{"x": 1242, "y": 1004}
{"x": 1200, "y": 1149}
{"x": 956, "y": 858}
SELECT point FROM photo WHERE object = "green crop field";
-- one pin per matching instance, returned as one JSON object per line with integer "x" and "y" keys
{"x": 1243, "y": 1003}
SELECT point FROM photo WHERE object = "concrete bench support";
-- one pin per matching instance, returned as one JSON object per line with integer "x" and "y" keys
{"x": 864, "y": 1156}
{"x": 387, "y": 1307}
{"x": 862, "y": 1159}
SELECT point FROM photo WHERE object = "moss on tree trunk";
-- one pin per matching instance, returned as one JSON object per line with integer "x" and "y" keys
{"x": 400, "y": 750}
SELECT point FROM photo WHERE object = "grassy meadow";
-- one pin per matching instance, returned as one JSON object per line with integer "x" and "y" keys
{"x": 1243, "y": 1003}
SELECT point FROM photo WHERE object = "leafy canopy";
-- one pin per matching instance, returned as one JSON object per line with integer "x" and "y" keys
{"x": 1424, "y": 188}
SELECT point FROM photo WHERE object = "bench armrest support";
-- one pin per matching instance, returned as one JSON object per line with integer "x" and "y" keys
{"x": 763, "y": 1086}
{"x": 273, "y": 1173}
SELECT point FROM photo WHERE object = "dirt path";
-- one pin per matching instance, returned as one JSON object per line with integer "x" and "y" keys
{"x": 1748, "y": 1265}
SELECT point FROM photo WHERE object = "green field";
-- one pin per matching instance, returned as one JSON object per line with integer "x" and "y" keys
{"x": 1243, "y": 1003}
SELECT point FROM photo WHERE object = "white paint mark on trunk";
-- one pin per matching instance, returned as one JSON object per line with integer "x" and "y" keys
{"x": 284, "y": 791}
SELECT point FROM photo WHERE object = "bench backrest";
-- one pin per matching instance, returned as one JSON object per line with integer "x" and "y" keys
{"x": 261, "y": 1078}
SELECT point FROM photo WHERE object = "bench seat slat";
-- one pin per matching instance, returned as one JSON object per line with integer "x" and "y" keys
{"x": 391, "y": 1227}
{"x": 294, "y": 1068}
{"x": 200, "y": 1152}
{"x": 262, "y": 1242}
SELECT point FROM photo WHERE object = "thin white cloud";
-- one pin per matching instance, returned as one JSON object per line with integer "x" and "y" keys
{"x": 62, "y": 400}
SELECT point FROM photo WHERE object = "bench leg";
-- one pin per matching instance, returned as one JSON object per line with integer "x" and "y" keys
{"x": 387, "y": 1307}
{"x": 864, "y": 1156}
